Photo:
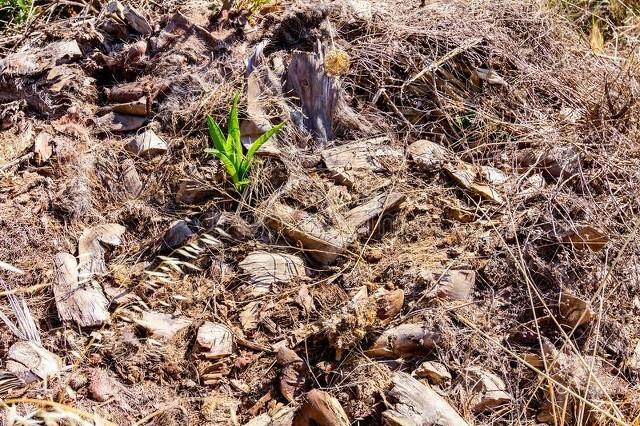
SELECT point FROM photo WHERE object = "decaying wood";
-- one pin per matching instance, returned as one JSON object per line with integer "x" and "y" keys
{"x": 324, "y": 244}
{"x": 147, "y": 145}
{"x": 131, "y": 178}
{"x": 265, "y": 269}
{"x": 136, "y": 20}
{"x": 429, "y": 156}
{"x": 416, "y": 404}
{"x": 82, "y": 303}
{"x": 360, "y": 216}
{"x": 90, "y": 249}
{"x": 215, "y": 340}
{"x": 292, "y": 375}
{"x": 318, "y": 94}
{"x": 574, "y": 311}
{"x": 162, "y": 326}
{"x": 354, "y": 160}
{"x": 321, "y": 408}
{"x": 389, "y": 304}
{"x": 405, "y": 340}
{"x": 139, "y": 107}
{"x": 36, "y": 61}
{"x": 435, "y": 372}
{"x": 30, "y": 362}
{"x": 489, "y": 391}
{"x": 446, "y": 284}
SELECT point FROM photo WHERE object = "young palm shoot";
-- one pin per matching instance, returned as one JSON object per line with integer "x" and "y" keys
{"x": 230, "y": 151}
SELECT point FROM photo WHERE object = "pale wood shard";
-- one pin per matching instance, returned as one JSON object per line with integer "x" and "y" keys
{"x": 380, "y": 205}
{"x": 84, "y": 304}
{"x": 447, "y": 284}
{"x": 30, "y": 362}
{"x": 43, "y": 147}
{"x": 292, "y": 375}
{"x": 323, "y": 243}
{"x": 90, "y": 249}
{"x": 416, "y": 404}
{"x": 429, "y": 156}
{"x": 147, "y": 145}
{"x": 36, "y": 61}
{"x": 489, "y": 390}
{"x": 215, "y": 340}
{"x": 318, "y": 94}
{"x": 389, "y": 304}
{"x": 355, "y": 160}
{"x": 405, "y": 340}
{"x": 131, "y": 178}
{"x": 574, "y": 311}
{"x": 136, "y": 20}
{"x": 322, "y": 409}
{"x": 162, "y": 326}
{"x": 435, "y": 372}
{"x": 265, "y": 269}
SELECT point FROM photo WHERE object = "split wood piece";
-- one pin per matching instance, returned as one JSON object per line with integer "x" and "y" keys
{"x": 574, "y": 311}
{"x": 84, "y": 304}
{"x": 358, "y": 217}
{"x": 434, "y": 372}
{"x": 131, "y": 178}
{"x": 417, "y": 404}
{"x": 292, "y": 376}
{"x": 36, "y": 61}
{"x": 90, "y": 249}
{"x": 265, "y": 269}
{"x": 429, "y": 156}
{"x": 31, "y": 362}
{"x": 324, "y": 244}
{"x": 318, "y": 94}
{"x": 137, "y": 21}
{"x": 216, "y": 340}
{"x": 321, "y": 408}
{"x": 162, "y": 326}
{"x": 404, "y": 341}
{"x": 474, "y": 180}
{"x": 489, "y": 390}
{"x": 284, "y": 417}
{"x": 349, "y": 161}
{"x": 116, "y": 122}
{"x": 447, "y": 284}
{"x": 43, "y": 147}
{"x": 389, "y": 304}
{"x": 147, "y": 145}
{"x": 139, "y": 107}
{"x": 586, "y": 238}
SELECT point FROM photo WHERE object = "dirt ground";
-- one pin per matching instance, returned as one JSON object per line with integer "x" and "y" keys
{"x": 445, "y": 232}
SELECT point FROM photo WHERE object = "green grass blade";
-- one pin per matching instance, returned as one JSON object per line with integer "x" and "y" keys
{"x": 255, "y": 146}
{"x": 228, "y": 164}
{"x": 216, "y": 134}
{"x": 233, "y": 137}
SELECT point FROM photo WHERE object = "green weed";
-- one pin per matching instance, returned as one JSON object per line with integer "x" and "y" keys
{"x": 230, "y": 151}
{"x": 14, "y": 11}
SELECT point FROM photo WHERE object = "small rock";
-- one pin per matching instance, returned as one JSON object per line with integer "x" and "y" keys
{"x": 489, "y": 390}
{"x": 322, "y": 409}
{"x": 131, "y": 178}
{"x": 405, "y": 340}
{"x": 179, "y": 233}
{"x": 574, "y": 311}
{"x": 429, "y": 156}
{"x": 265, "y": 269}
{"x": 147, "y": 145}
{"x": 389, "y": 304}
{"x": 451, "y": 285}
{"x": 78, "y": 381}
{"x": 435, "y": 372}
{"x": 31, "y": 362}
{"x": 101, "y": 386}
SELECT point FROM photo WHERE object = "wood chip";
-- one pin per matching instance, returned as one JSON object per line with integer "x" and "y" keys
{"x": 147, "y": 145}
{"x": 405, "y": 340}
{"x": 429, "y": 156}
{"x": 357, "y": 218}
{"x": 435, "y": 372}
{"x": 36, "y": 61}
{"x": 574, "y": 311}
{"x": 446, "y": 284}
{"x": 30, "y": 362}
{"x": 587, "y": 238}
{"x": 90, "y": 249}
{"x": 136, "y": 20}
{"x": 43, "y": 147}
{"x": 417, "y": 404}
{"x": 265, "y": 269}
{"x": 321, "y": 408}
{"x": 84, "y": 304}
{"x": 162, "y": 326}
{"x": 324, "y": 244}
{"x": 215, "y": 340}
{"x": 489, "y": 391}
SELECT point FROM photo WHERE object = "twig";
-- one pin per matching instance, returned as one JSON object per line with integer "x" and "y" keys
{"x": 15, "y": 162}
{"x": 22, "y": 290}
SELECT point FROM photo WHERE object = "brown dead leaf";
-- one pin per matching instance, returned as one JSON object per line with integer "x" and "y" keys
{"x": 292, "y": 376}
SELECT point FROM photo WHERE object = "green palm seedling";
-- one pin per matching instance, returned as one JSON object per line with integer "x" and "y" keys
{"x": 230, "y": 151}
